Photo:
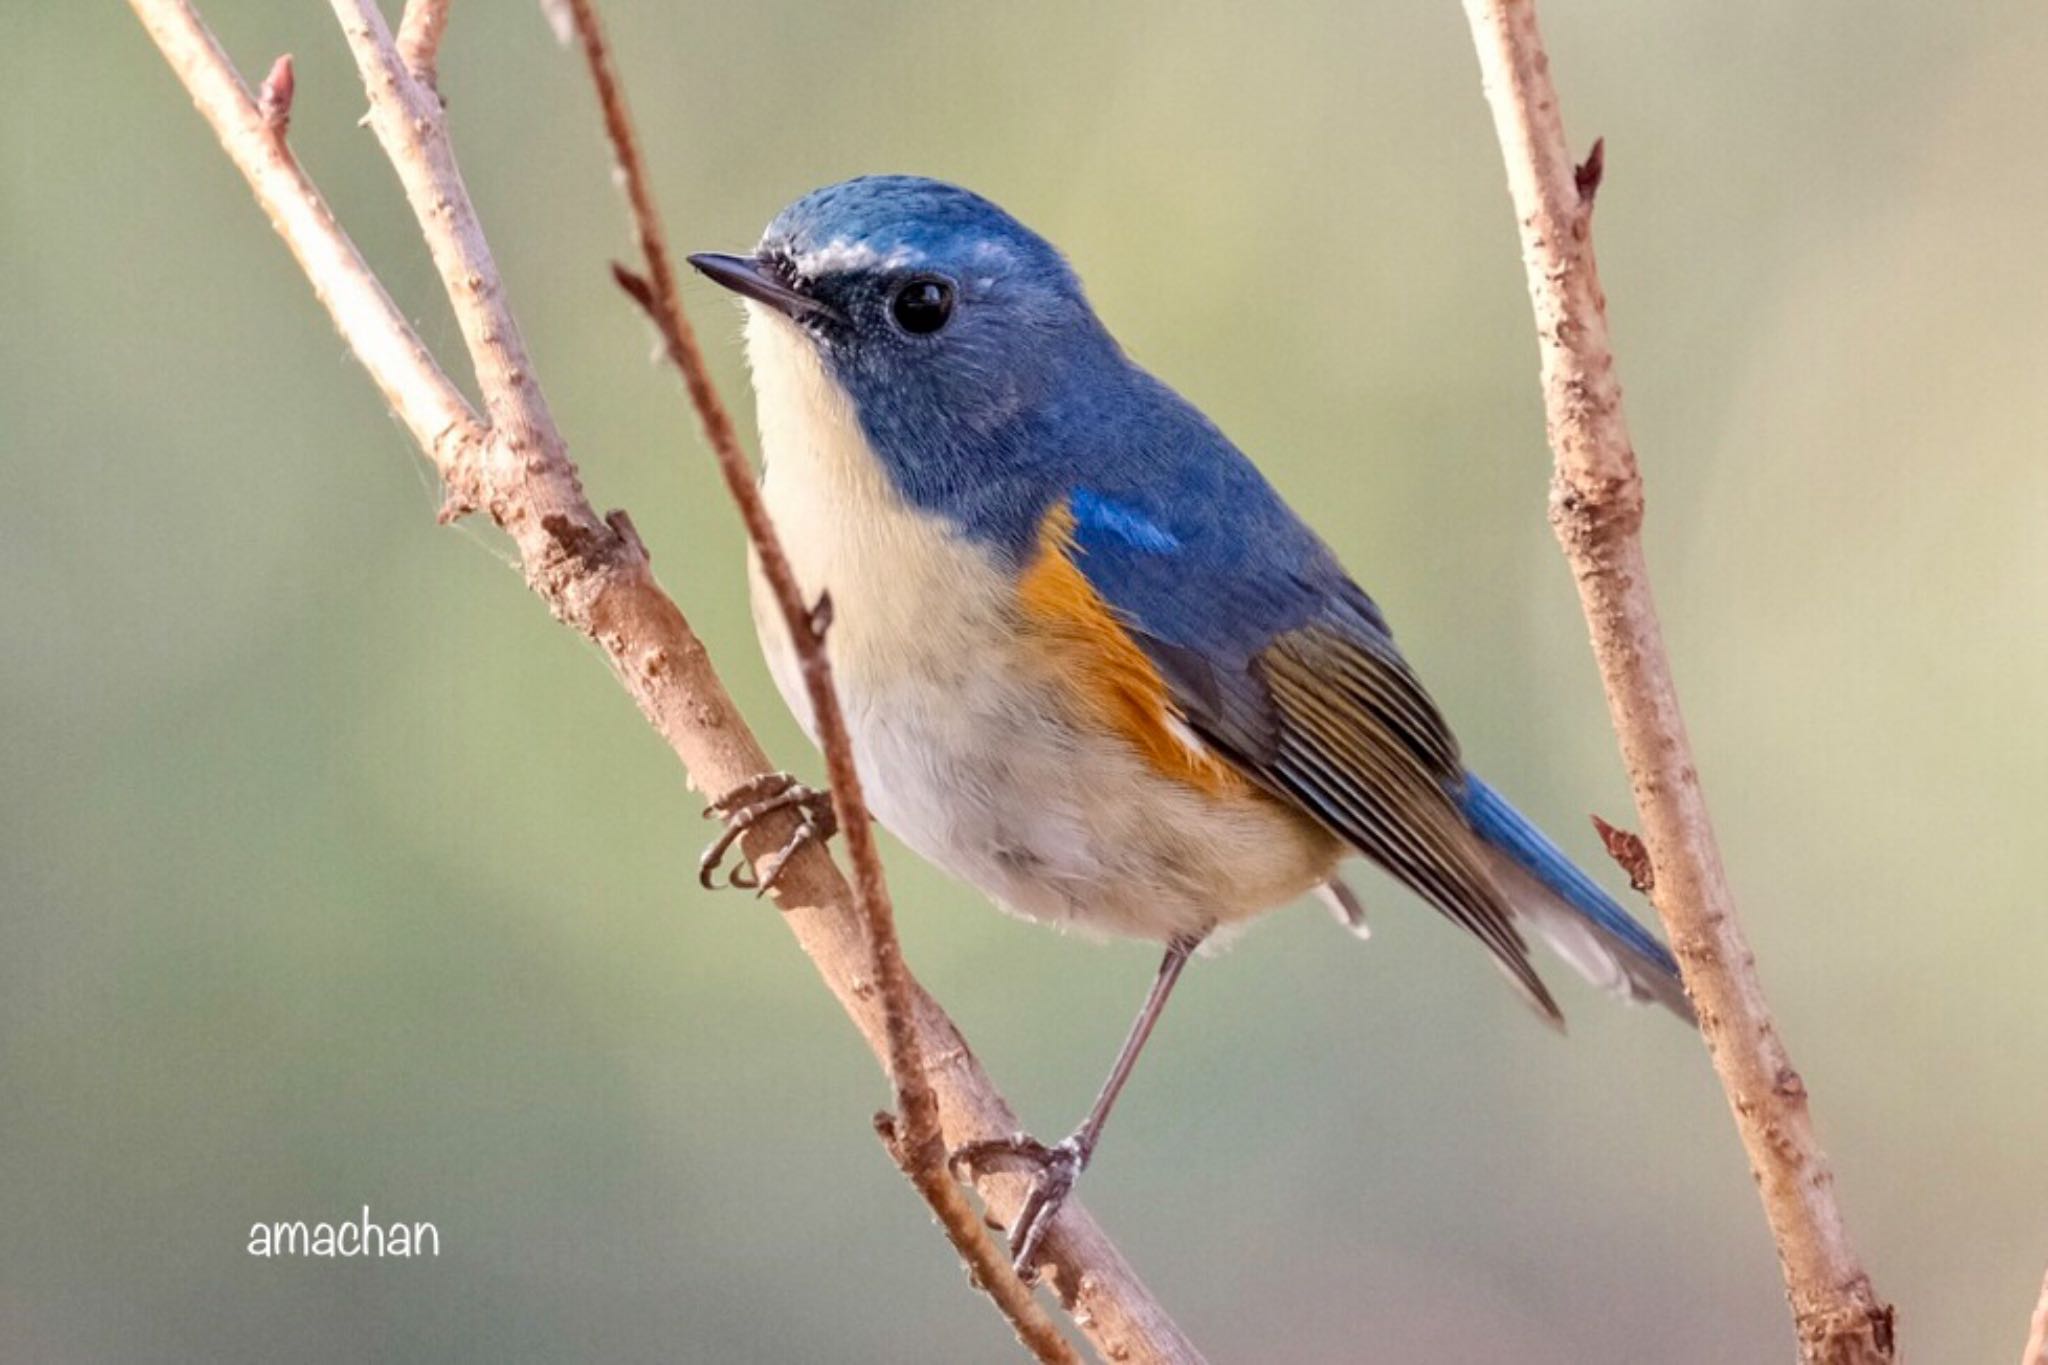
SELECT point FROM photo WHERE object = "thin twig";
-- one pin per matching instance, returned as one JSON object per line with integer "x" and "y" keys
{"x": 432, "y": 408}
{"x": 2037, "y": 1335}
{"x": 419, "y": 38}
{"x": 1597, "y": 508}
{"x": 657, "y": 297}
{"x": 594, "y": 575}
{"x": 914, "y": 1138}
{"x": 411, "y": 126}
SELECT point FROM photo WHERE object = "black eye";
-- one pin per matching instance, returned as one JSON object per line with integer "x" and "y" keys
{"x": 922, "y": 306}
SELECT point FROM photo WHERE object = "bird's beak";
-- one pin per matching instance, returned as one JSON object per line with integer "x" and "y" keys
{"x": 753, "y": 279}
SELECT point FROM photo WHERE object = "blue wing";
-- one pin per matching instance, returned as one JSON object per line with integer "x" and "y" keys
{"x": 1286, "y": 667}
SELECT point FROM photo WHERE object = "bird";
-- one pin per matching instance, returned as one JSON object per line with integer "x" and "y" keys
{"x": 1091, "y": 662}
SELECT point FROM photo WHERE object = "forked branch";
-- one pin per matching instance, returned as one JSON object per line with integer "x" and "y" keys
{"x": 1597, "y": 510}
{"x": 594, "y": 575}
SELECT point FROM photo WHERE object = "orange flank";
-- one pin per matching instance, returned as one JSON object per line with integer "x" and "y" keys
{"x": 1096, "y": 657}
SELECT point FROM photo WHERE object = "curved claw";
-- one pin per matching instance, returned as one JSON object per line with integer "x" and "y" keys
{"x": 746, "y": 805}
{"x": 714, "y": 854}
{"x": 1059, "y": 1167}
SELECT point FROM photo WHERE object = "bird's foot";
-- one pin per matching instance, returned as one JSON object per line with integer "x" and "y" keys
{"x": 749, "y": 803}
{"x": 1057, "y": 1168}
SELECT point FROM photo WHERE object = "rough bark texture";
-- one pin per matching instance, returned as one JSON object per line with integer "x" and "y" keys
{"x": 593, "y": 573}
{"x": 1596, "y": 507}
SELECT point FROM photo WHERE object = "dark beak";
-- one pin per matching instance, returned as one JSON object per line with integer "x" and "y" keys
{"x": 756, "y": 280}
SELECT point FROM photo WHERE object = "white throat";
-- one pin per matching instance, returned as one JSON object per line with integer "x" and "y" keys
{"x": 905, "y": 590}
{"x": 807, "y": 420}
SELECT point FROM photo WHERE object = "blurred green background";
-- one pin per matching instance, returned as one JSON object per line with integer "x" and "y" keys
{"x": 333, "y": 872}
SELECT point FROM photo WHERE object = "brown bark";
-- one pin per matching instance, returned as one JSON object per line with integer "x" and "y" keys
{"x": 1596, "y": 508}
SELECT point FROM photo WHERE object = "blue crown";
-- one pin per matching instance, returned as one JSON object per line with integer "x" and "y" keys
{"x": 905, "y": 220}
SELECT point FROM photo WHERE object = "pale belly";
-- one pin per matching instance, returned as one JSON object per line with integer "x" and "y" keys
{"x": 985, "y": 768}
{"x": 970, "y": 749}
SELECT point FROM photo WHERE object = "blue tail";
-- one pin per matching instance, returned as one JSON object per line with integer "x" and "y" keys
{"x": 1568, "y": 897}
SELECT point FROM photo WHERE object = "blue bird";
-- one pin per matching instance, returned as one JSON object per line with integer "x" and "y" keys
{"x": 1091, "y": 661}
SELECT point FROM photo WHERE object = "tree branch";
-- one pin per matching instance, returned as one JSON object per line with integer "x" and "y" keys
{"x": 432, "y": 408}
{"x": 419, "y": 38}
{"x": 913, "y": 1137}
{"x": 919, "y": 1131}
{"x": 2036, "y": 1352}
{"x": 1596, "y": 509}
{"x": 594, "y": 575}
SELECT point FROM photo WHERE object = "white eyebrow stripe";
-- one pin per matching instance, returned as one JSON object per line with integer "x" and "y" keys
{"x": 840, "y": 254}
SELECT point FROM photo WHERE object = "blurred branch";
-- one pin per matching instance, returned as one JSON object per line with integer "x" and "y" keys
{"x": 594, "y": 575}
{"x": 419, "y": 38}
{"x": 913, "y": 1138}
{"x": 432, "y": 408}
{"x": 2037, "y": 1337}
{"x": 1597, "y": 510}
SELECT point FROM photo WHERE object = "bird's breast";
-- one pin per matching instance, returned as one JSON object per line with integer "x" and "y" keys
{"x": 1006, "y": 727}
{"x": 915, "y": 606}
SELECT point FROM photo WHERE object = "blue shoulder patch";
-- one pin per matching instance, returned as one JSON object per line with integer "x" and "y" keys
{"x": 1127, "y": 524}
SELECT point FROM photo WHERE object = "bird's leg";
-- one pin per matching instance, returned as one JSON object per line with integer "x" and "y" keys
{"x": 1061, "y": 1165}
{"x": 747, "y": 804}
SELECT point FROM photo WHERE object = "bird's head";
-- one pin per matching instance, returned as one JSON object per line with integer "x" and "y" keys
{"x": 942, "y": 317}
